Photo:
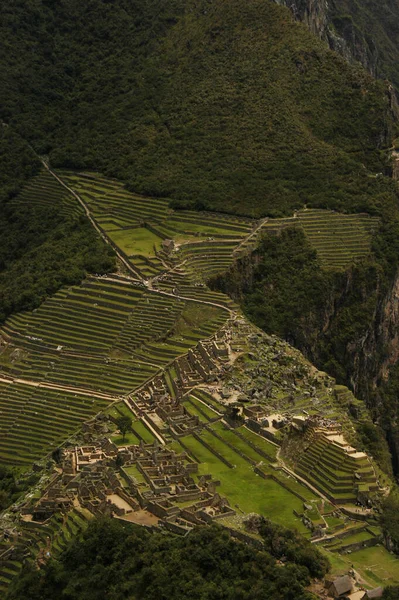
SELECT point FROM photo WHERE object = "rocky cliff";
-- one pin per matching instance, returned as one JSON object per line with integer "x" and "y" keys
{"x": 364, "y": 33}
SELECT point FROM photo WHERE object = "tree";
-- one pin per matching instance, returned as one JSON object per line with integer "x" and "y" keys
{"x": 389, "y": 520}
{"x": 124, "y": 424}
{"x": 391, "y": 593}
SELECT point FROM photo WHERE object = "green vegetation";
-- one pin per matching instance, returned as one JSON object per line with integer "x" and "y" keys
{"x": 46, "y": 243}
{"x": 332, "y": 471}
{"x": 340, "y": 240}
{"x": 13, "y": 484}
{"x": 136, "y": 241}
{"x": 18, "y": 163}
{"x": 390, "y": 519}
{"x": 228, "y": 106}
{"x": 391, "y": 592}
{"x": 55, "y": 534}
{"x": 120, "y": 561}
{"x": 376, "y": 565}
{"x": 125, "y": 332}
{"x": 287, "y": 286}
{"x": 35, "y": 421}
{"x": 124, "y": 424}
{"x": 240, "y": 484}
{"x": 370, "y": 29}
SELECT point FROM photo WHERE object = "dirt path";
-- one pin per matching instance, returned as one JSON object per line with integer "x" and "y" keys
{"x": 92, "y": 220}
{"x": 61, "y": 388}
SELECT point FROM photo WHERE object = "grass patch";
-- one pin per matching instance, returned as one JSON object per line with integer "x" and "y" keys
{"x": 139, "y": 240}
{"x": 376, "y": 565}
{"x": 130, "y": 439}
{"x": 243, "y": 487}
{"x": 143, "y": 432}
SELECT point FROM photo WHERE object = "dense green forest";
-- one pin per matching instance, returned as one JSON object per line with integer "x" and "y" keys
{"x": 224, "y": 105}
{"x": 13, "y": 484}
{"x": 17, "y": 161}
{"x": 115, "y": 561}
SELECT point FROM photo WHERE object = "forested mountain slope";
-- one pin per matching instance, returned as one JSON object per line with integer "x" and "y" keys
{"x": 226, "y": 105}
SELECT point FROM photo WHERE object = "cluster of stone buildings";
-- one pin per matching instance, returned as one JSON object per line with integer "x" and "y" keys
{"x": 97, "y": 478}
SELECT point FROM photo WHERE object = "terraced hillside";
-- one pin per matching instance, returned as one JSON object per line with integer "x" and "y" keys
{"x": 111, "y": 334}
{"x": 35, "y": 420}
{"x": 36, "y": 539}
{"x": 139, "y": 225}
{"x": 157, "y": 338}
{"x": 205, "y": 243}
{"x": 107, "y": 336}
{"x": 339, "y": 239}
{"x": 336, "y": 470}
{"x": 44, "y": 191}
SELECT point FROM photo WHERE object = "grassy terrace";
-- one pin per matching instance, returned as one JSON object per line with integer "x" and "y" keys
{"x": 376, "y": 565}
{"x": 332, "y": 471}
{"x": 139, "y": 224}
{"x": 209, "y": 242}
{"x": 58, "y": 531}
{"x": 208, "y": 399}
{"x": 44, "y": 190}
{"x": 34, "y": 420}
{"x": 338, "y": 239}
{"x": 208, "y": 258}
{"x": 88, "y": 317}
{"x": 241, "y": 485}
{"x": 105, "y": 335}
{"x": 178, "y": 280}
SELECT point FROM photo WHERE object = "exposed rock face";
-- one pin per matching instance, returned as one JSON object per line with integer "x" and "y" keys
{"x": 312, "y": 12}
{"x": 317, "y": 15}
{"x": 395, "y": 165}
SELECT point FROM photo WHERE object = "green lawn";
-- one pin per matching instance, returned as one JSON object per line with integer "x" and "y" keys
{"x": 133, "y": 471}
{"x": 193, "y": 411}
{"x": 130, "y": 439}
{"x": 141, "y": 429}
{"x": 136, "y": 241}
{"x": 376, "y": 565}
{"x": 202, "y": 228}
{"x": 176, "y": 447}
{"x": 238, "y": 443}
{"x": 243, "y": 487}
{"x": 202, "y": 394}
{"x": 259, "y": 441}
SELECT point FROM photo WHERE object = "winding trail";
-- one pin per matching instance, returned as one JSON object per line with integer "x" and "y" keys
{"x": 136, "y": 276}
{"x": 92, "y": 220}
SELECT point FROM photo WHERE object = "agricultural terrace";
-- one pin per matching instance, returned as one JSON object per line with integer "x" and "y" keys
{"x": 375, "y": 565}
{"x": 338, "y": 474}
{"x": 207, "y": 243}
{"x": 45, "y": 191}
{"x": 106, "y": 335}
{"x": 35, "y": 420}
{"x": 138, "y": 225}
{"x": 231, "y": 458}
{"x": 338, "y": 239}
{"x": 33, "y": 537}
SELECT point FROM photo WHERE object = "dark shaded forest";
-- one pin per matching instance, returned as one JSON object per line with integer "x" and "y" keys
{"x": 115, "y": 561}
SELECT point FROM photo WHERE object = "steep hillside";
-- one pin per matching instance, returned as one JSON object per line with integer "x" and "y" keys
{"x": 232, "y": 106}
{"x": 365, "y": 31}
